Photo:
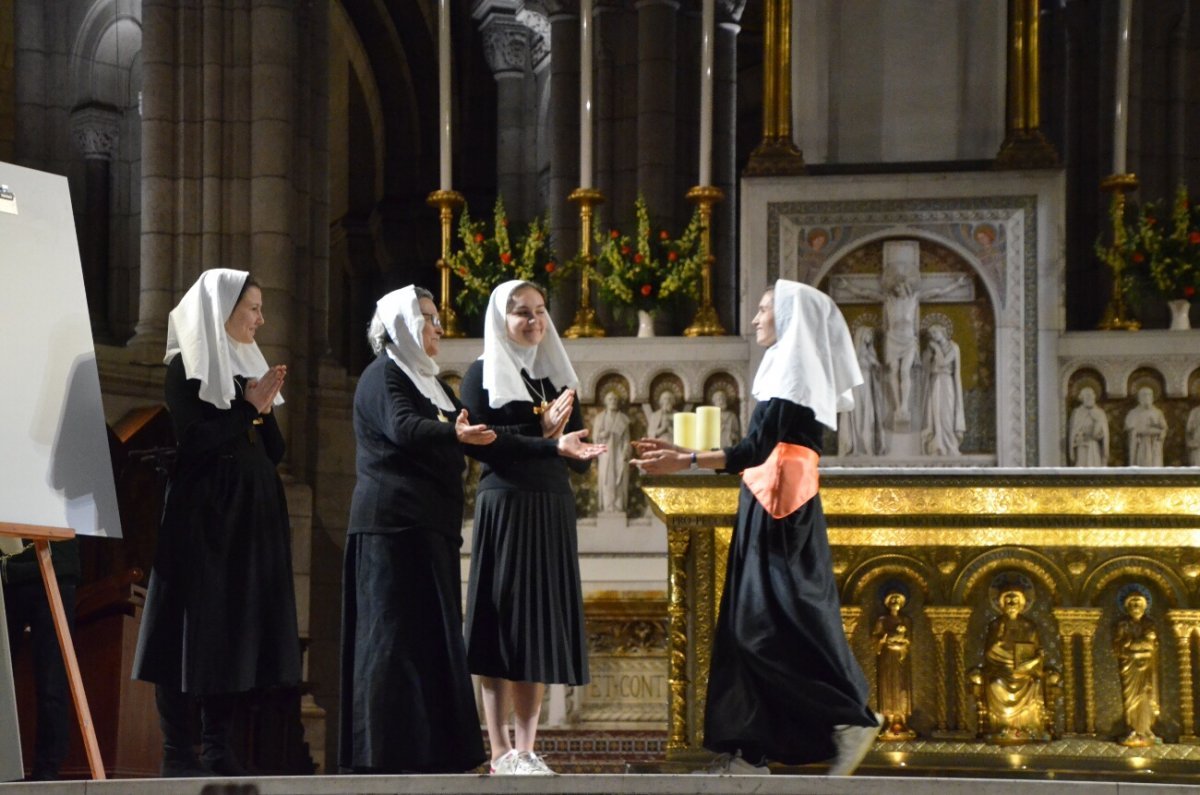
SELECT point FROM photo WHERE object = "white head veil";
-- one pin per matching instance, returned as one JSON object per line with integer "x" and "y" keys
{"x": 400, "y": 313}
{"x": 196, "y": 330}
{"x": 812, "y": 362}
{"x": 503, "y": 359}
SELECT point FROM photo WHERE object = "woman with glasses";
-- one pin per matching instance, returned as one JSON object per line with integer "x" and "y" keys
{"x": 524, "y": 602}
{"x": 407, "y": 703}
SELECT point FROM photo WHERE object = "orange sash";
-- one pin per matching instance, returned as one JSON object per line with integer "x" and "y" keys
{"x": 786, "y": 480}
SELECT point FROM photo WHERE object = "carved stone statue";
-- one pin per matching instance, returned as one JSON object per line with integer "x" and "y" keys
{"x": 1193, "y": 437}
{"x": 860, "y": 432}
{"x": 1146, "y": 428}
{"x": 893, "y": 667}
{"x": 1135, "y": 643}
{"x": 612, "y": 473}
{"x": 1014, "y": 689}
{"x": 901, "y": 295}
{"x": 944, "y": 419}
{"x": 660, "y": 423}
{"x": 731, "y": 426}
{"x": 1088, "y": 432}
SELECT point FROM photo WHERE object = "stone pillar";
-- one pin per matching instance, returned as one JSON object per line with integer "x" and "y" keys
{"x": 506, "y": 49}
{"x": 656, "y": 23}
{"x": 725, "y": 219}
{"x": 272, "y": 209}
{"x": 155, "y": 297}
{"x": 95, "y": 130}
{"x": 564, "y": 147}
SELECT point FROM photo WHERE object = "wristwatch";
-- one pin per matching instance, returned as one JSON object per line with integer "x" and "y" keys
{"x": 694, "y": 464}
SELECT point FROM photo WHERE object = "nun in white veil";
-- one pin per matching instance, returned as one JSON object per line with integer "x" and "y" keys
{"x": 783, "y": 684}
{"x": 524, "y": 601}
{"x": 220, "y": 616}
{"x": 407, "y": 703}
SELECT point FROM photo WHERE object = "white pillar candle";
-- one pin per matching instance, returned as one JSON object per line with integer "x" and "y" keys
{"x": 707, "y": 22}
{"x": 1121, "y": 106}
{"x": 585, "y": 94}
{"x": 444, "y": 90}
{"x": 684, "y": 429}
{"x": 708, "y": 427}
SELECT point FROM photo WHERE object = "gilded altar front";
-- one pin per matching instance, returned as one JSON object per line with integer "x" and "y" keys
{"x": 1067, "y": 548}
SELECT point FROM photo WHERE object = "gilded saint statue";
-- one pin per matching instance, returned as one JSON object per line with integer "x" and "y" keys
{"x": 1014, "y": 689}
{"x": 893, "y": 667}
{"x": 1135, "y": 643}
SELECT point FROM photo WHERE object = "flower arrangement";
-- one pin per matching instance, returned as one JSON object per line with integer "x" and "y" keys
{"x": 484, "y": 262}
{"x": 648, "y": 269}
{"x": 1171, "y": 258}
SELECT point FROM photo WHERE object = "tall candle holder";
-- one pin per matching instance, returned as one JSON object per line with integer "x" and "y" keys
{"x": 706, "y": 323}
{"x": 446, "y": 201}
{"x": 1114, "y": 315}
{"x": 585, "y": 324}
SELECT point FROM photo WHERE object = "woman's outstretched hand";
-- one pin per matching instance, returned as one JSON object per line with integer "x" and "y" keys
{"x": 472, "y": 434}
{"x": 555, "y": 417}
{"x": 572, "y": 445}
{"x": 660, "y": 457}
{"x": 261, "y": 392}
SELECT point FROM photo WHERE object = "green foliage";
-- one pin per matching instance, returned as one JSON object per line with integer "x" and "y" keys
{"x": 486, "y": 261}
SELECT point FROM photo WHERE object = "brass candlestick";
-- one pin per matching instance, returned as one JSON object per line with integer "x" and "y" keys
{"x": 585, "y": 324}
{"x": 1114, "y": 315}
{"x": 446, "y": 201}
{"x": 706, "y": 324}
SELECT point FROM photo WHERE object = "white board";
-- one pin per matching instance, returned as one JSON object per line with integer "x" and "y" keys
{"x": 55, "y": 468}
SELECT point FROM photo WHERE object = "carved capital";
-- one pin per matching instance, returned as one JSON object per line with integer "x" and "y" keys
{"x": 539, "y": 38}
{"x": 505, "y": 45}
{"x": 96, "y": 131}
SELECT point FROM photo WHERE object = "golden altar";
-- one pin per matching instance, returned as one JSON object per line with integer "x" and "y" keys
{"x": 1079, "y": 541}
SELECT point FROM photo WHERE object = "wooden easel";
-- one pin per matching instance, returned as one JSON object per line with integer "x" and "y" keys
{"x": 42, "y": 536}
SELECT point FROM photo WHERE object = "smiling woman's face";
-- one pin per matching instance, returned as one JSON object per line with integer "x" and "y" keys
{"x": 246, "y": 317}
{"x": 526, "y": 319}
{"x": 764, "y": 320}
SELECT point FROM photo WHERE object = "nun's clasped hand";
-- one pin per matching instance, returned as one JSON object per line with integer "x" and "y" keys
{"x": 261, "y": 392}
{"x": 472, "y": 434}
{"x": 556, "y": 415}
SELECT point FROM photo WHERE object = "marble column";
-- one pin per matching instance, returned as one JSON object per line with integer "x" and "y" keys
{"x": 725, "y": 219}
{"x": 95, "y": 130}
{"x": 156, "y": 297}
{"x": 563, "y": 124}
{"x": 656, "y": 94}
{"x": 506, "y": 49}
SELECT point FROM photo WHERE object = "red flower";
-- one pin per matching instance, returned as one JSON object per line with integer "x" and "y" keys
{"x": 462, "y": 272}
{"x": 614, "y": 234}
{"x": 662, "y": 235}
{"x": 550, "y": 266}
{"x": 504, "y": 223}
{"x": 637, "y": 258}
{"x": 1151, "y": 220}
{"x": 1139, "y": 256}
{"x": 505, "y": 257}
{"x": 646, "y": 290}
{"x": 478, "y": 237}
{"x": 625, "y": 250}
{"x": 1189, "y": 291}
{"x": 1194, "y": 238}
{"x": 672, "y": 256}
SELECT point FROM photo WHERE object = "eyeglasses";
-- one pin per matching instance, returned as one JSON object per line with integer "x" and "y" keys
{"x": 433, "y": 319}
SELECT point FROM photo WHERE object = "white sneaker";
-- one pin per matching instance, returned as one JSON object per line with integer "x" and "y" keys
{"x": 733, "y": 765}
{"x": 852, "y": 743}
{"x": 506, "y": 765}
{"x": 530, "y": 764}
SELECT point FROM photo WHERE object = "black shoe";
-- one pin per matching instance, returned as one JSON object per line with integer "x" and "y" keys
{"x": 183, "y": 765}
{"x": 225, "y": 765}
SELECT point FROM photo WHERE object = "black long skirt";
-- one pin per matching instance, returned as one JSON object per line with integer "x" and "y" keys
{"x": 782, "y": 673}
{"x": 407, "y": 702}
{"x": 524, "y": 601}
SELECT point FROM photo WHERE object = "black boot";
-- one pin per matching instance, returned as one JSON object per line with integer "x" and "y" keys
{"x": 216, "y": 751}
{"x": 175, "y": 718}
